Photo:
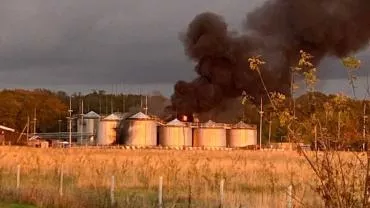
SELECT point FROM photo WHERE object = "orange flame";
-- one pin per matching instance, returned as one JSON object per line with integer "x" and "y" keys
{"x": 184, "y": 118}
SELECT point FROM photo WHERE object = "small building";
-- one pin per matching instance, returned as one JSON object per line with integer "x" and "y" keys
{"x": 6, "y": 134}
{"x": 36, "y": 141}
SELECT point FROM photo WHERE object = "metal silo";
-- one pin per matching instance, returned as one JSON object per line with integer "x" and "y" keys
{"x": 210, "y": 134}
{"x": 242, "y": 135}
{"x": 88, "y": 125}
{"x": 140, "y": 130}
{"x": 107, "y": 132}
{"x": 175, "y": 133}
{"x": 91, "y": 122}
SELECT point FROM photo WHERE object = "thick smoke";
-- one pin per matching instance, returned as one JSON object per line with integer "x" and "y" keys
{"x": 277, "y": 31}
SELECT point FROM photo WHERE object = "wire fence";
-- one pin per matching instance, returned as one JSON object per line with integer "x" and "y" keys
{"x": 61, "y": 189}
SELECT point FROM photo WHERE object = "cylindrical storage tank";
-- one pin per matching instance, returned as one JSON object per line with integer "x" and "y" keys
{"x": 209, "y": 134}
{"x": 107, "y": 131}
{"x": 241, "y": 135}
{"x": 141, "y": 130}
{"x": 175, "y": 133}
{"x": 91, "y": 122}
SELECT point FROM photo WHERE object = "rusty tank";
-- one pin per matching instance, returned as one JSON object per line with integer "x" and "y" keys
{"x": 107, "y": 131}
{"x": 140, "y": 130}
{"x": 242, "y": 135}
{"x": 175, "y": 133}
{"x": 209, "y": 134}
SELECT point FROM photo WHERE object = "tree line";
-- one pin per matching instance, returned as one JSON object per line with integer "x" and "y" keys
{"x": 19, "y": 107}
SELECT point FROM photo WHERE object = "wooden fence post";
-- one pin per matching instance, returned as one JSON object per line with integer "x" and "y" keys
{"x": 18, "y": 176}
{"x": 112, "y": 191}
{"x": 222, "y": 182}
{"x": 160, "y": 194}
{"x": 189, "y": 195}
{"x": 61, "y": 181}
{"x": 290, "y": 197}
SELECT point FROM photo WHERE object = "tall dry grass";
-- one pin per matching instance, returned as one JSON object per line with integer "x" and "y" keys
{"x": 190, "y": 178}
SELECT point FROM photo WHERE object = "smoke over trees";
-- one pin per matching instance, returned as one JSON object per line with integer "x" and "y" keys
{"x": 277, "y": 31}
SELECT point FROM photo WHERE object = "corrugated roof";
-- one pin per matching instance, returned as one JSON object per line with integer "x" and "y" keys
{"x": 242, "y": 125}
{"x": 112, "y": 117}
{"x": 175, "y": 122}
{"x": 91, "y": 114}
{"x": 140, "y": 115}
{"x": 124, "y": 116}
{"x": 6, "y": 128}
{"x": 210, "y": 123}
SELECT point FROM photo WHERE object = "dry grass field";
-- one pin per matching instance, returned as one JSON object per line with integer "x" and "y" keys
{"x": 190, "y": 178}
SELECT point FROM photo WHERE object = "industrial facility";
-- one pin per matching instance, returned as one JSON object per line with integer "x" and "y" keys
{"x": 144, "y": 131}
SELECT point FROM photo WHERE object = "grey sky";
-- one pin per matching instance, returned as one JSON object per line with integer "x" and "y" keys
{"x": 93, "y": 43}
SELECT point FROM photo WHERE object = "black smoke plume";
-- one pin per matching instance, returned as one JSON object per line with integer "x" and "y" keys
{"x": 277, "y": 31}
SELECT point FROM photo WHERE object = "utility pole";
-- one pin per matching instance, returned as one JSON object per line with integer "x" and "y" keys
{"x": 106, "y": 104}
{"x": 364, "y": 122}
{"x": 146, "y": 105}
{"x": 270, "y": 123}
{"x": 339, "y": 123}
{"x": 315, "y": 132}
{"x": 111, "y": 100}
{"x": 364, "y": 126}
{"x": 59, "y": 128}
{"x": 292, "y": 83}
{"x": 34, "y": 122}
{"x": 28, "y": 126}
{"x": 261, "y": 116}
{"x": 70, "y": 121}
{"x": 141, "y": 103}
{"x": 82, "y": 121}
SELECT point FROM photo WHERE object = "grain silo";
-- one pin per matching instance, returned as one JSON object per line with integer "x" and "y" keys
{"x": 87, "y": 126}
{"x": 175, "y": 133}
{"x": 140, "y": 130}
{"x": 107, "y": 131}
{"x": 242, "y": 135}
{"x": 209, "y": 134}
{"x": 91, "y": 120}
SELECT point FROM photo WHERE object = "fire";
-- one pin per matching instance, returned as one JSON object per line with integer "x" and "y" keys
{"x": 184, "y": 118}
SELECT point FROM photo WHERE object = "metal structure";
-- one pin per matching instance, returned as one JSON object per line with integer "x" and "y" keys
{"x": 175, "y": 133}
{"x": 241, "y": 135}
{"x": 261, "y": 124}
{"x": 210, "y": 134}
{"x": 88, "y": 125}
{"x": 107, "y": 132}
{"x": 140, "y": 130}
{"x": 70, "y": 121}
